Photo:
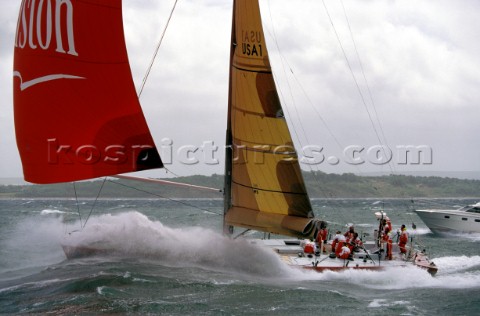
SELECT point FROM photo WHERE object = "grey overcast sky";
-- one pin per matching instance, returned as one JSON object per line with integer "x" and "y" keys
{"x": 421, "y": 60}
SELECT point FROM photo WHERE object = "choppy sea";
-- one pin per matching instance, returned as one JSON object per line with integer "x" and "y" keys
{"x": 174, "y": 260}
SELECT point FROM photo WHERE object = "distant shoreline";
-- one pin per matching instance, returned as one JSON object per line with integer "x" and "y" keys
{"x": 221, "y": 199}
{"x": 319, "y": 186}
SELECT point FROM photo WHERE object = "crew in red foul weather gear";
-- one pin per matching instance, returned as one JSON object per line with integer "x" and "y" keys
{"x": 388, "y": 241}
{"x": 357, "y": 242}
{"x": 387, "y": 223}
{"x": 309, "y": 248}
{"x": 403, "y": 240}
{"x": 344, "y": 252}
{"x": 335, "y": 240}
{"x": 322, "y": 236}
{"x": 342, "y": 241}
{"x": 349, "y": 234}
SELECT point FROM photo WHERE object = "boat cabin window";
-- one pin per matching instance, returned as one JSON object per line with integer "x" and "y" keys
{"x": 464, "y": 219}
{"x": 446, "y": 216}
{"x": 292, "y": 242}
{"x": 475, "y": 209}
{"x": 477, "y": 220}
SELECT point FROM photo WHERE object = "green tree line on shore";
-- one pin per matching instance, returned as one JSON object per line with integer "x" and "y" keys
{"x": 319, "y": 185}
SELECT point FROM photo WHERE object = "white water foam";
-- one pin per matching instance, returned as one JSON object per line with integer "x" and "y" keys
{"x": 453, "y": 274}
{"x": 457, "y": 264}
{"x": 49, "y": 212}
{"x": 100, "y": 290}
{"x": 419, "y": 231}
{"x": 132, "y": 234}
{"x": 386, "y": 303}
{"x": 474, "y": 237}
{"x": 33, "y": 242}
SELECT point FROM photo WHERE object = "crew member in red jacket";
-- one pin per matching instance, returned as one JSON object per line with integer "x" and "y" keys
{"x": 349, "y": 234}
{"x": 387, "y": 239}
{"x": 344, "y": 252}
{"x": 322, "y": 236}
{"x": 403, "y": 240}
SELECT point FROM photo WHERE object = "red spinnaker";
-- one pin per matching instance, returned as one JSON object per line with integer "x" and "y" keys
{"x": 77, "y": 115}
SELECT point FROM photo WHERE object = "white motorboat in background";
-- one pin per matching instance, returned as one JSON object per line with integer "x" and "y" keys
{"x": 465, "y": 219}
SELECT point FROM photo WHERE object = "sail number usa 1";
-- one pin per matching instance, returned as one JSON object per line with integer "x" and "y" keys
{"x": 252, "y": 43}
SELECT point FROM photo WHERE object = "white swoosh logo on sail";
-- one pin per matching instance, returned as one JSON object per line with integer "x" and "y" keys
{"x": 28, "y": 84}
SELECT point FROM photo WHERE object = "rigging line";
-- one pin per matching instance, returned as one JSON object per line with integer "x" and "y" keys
{"x": 95, "y": 202}
{"x": 163, "y": 197}
{"x": 327, "y": 127}
{"x": 354, "y": 78}
{"x": 144, "y": 81}
{"x": 267, "y": 190}
{"x": 390, "y": 164}
{"x": 284, "y": 61}
{"x": 316, "y": 111}
{"x": 310, "y": 167}
{"x": 168, "y": 170}
{"x": 313, "y": 106}
{"x": 274, "y": 36}
{"x": 78, "y": 206}
{"x": 365, "y": 77}
{"x": 289, "y": 117}
{"x": 305, "y": 134}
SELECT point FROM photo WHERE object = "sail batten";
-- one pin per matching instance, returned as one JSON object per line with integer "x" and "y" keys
{"x": 266, "y": 148}
{"x": 268, "y": 190}
{"x": 259, "y": 69}
{"x": 266, "y": 185}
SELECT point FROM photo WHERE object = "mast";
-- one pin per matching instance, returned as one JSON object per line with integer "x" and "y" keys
{"x": 227, "y": 191}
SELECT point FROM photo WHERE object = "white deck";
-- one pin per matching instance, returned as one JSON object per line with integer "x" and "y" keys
{"x": 291, "y": 252}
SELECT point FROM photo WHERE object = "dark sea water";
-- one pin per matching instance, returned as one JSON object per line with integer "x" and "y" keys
{"x": 173, "y": 260}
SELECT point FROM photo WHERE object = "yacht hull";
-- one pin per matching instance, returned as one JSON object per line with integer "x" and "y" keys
{"x": 368, "y": 258}
{"x": 444, "y": 221}
{"x": 292, "y": 253}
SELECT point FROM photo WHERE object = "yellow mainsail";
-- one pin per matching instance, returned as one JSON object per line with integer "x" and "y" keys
{"x": 265, "y": 189}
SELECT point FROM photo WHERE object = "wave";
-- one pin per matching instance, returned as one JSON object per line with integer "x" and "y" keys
{"x": 452, "y": 264}
{"x": 132, "y": 234}
{"x": 420, "y": 231}
{"x": 454, "y": 273}
{"x": 474, "y": 237}
{"x": 50, "y": 211}
{"x": 386, "y": 303}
